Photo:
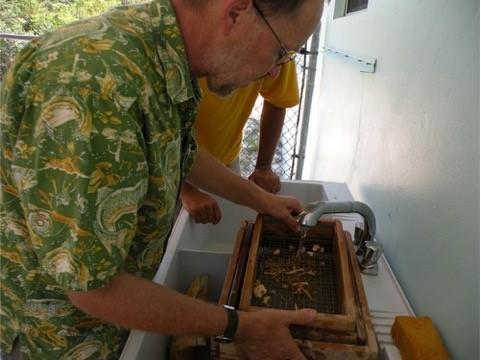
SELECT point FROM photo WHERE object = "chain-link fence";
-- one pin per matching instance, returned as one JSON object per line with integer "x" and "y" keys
{"x": 9, "y": 46}
{"x": 289, "y": 149}
{"x": 282, "y": 161}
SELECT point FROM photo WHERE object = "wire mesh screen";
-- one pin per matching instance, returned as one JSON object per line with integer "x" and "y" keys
{"x": 283, "y": 161}
{"x": 291, "y": 280}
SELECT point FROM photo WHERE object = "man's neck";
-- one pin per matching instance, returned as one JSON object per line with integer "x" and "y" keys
{"x": 196, "y": 28}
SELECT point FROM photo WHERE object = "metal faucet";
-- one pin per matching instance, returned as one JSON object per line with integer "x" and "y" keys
{"x": 368, "y": 251}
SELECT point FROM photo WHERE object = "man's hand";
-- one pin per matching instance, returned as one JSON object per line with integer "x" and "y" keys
{"x": 211, "y": 175}
{"x": 202, "y": 207}
{"x": 266, "y": 179}
{"x": 265, "y": 335}
{"x": 281, "y": 207}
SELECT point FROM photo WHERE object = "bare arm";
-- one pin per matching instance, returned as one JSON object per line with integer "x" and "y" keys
{"x": 211, "y": 175}
{"x": 202, "y": 207}
{"x": 137, "y": 303}
{"x": 132, "y": 302}
{"x": 272, "y": 121}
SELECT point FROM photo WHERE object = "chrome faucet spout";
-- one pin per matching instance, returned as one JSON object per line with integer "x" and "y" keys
{"x": 368, "y": 251}
{"x": 313, "y": 211}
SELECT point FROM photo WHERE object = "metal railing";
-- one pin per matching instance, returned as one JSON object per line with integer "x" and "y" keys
{"x": 16, "y": 36}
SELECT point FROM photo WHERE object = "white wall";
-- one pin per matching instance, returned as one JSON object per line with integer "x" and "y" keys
{"x": 406, "y": 141}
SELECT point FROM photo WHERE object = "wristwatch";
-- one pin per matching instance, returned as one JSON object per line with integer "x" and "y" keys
{"x": 231, "y": 328}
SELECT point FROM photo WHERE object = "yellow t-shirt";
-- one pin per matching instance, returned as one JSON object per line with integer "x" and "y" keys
{"x": 220, "y": 120}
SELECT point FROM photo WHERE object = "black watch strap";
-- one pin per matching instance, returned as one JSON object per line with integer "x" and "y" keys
{"x": 232, "y": 324}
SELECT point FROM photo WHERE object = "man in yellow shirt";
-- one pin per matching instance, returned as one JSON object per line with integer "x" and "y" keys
{"x": 219, "y": 125}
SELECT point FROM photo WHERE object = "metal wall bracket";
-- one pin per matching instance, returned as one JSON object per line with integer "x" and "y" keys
{"x": 367, "y": 65}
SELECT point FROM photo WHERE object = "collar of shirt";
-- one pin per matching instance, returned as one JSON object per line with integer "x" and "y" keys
{"x": 180, "y": 86}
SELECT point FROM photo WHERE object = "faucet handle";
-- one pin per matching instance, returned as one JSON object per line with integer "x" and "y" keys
{"x": 372, "y": 253}
{"x": 300, "y": 216}
{"x": 358, "y": 234}
{"x": 306, "y": 212}
{"x": 370, "y": 256}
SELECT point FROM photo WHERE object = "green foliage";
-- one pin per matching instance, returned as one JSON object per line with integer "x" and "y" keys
{"x": 8, "y": 49}
{"x": 35, "y": 17}
{"x": 9, "y": 21}
{"x": 38, "y": 16}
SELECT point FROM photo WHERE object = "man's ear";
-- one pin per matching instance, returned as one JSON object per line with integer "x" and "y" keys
{"x": 236, "y": 11}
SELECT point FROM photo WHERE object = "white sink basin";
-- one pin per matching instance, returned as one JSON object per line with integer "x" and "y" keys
{"x": 195, "y": 249}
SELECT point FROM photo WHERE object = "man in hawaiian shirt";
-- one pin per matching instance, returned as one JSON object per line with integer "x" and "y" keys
{"x": 96, "y": 135}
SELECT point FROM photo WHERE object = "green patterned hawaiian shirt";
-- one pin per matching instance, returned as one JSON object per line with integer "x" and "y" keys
{"x": 96, "y": 137}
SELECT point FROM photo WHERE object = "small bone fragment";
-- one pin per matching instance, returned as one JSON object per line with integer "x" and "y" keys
{"x": 271, "y": 273}
{"x": 295, "y": 271}
{"x": 259, "y": 289}
{"x": 304, "y": 290}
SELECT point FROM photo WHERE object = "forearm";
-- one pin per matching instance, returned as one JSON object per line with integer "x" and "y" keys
{"x": 213, "y": 176}
{"x": 187, "y": 187}
{"x": 136, "y": 303}
{"x": 272, "y": 120}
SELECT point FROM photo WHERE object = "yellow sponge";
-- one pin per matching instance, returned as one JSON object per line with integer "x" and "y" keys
{"x": 418, "y": 339}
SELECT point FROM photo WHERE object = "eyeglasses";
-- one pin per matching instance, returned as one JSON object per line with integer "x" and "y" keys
{"x": 285, "y": 55}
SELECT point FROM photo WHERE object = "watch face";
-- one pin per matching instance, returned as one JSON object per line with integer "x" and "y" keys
{"x": 223, "y": 339}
